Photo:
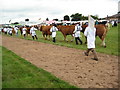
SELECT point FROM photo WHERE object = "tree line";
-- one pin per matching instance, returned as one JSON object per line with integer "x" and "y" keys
{"x": 76, "y": 17}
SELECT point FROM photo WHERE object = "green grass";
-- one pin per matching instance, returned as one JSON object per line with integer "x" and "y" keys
{"x": 18, "y": 73}
{"x": 111, "y": 41}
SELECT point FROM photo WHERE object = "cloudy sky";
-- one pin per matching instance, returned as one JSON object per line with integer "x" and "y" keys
{"x": 19, "y": 10}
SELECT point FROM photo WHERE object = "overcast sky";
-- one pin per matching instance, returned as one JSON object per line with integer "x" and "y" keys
{"x": 19, "y": 10}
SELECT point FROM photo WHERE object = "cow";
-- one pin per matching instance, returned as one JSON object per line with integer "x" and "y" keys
{"x": 20, "y": 28}
{"x": 101, "y": 31}
{"x": 13, "y": 31}
{"x": 45, "y": 31}
{"x": 66, "y": 30}
{"x": 27, "y": 31}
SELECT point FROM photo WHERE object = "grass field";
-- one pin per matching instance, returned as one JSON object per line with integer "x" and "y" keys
{"x": 111, "y": 41}
{"x": 18, "y": 73}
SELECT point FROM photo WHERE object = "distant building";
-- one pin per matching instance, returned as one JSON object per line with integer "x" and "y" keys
{"x": 115, "y": 17}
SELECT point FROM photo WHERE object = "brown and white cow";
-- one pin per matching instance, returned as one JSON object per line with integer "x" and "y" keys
{"x": 27, "y": 31}
{"x": 66, "y": 30}
{"x": 101, "y": 31}
{"x": 45, "y": 31}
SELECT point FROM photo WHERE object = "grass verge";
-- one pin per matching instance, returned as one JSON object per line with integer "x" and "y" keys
{"x": 18, "y": 73}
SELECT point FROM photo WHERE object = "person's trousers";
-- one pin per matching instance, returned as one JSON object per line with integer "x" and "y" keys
{"x": 78, "y": 39}
{"x": 54, "y": 39}
{"x": 35, "y": 37}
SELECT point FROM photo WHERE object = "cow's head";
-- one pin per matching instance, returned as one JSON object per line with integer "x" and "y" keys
{"x": 59, "y": 27}
{"x": 83, "y": 28}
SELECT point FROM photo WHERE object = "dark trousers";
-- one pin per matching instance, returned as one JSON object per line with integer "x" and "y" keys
{"x": 54, "y": 39}
{"x": 11, "y": 34}
{"x": 5, "y": 32}
{"x": 93, "y": 51}
{"x": 24, "y": 35}
{"x": 35, "y": 37}
{"x": 78, "y": 39}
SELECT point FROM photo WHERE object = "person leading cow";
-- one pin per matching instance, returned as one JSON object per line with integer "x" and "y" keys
{"x": 16, "y": 30}
{"x": 32, "y": 31}
{"x": 24, "y": 31}
{"x": 53, "y": 30}
{"x": 76, "y": 32}
{"x": 90, "y": 33}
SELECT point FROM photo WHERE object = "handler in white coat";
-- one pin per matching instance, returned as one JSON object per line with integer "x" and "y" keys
{"x": 53, "y": 30}
{"x": 76, "y": 32}
{"x": 10, "y": 31}
{"x": 5, "y": 30}
{"x": 32, "y": 31}
{"x": 16, "y": 30}
{"x": 90, "y": 33}
{"x": 24, "y": 31}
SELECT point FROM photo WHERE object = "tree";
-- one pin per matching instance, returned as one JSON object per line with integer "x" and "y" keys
{"x": 55, "y": 19}
{"x": 47, "y": 19}
{"x": 95, "y": 17}
{"x": 84, "y": 18}
{"x": 76, "y": 17}
{"x": 27, "y": 19}
{"x": 16, "y": 23}
{"x": 66, "y": 17}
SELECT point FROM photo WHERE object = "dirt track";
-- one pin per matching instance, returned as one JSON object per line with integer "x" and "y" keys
{"x": 68, "y": 64}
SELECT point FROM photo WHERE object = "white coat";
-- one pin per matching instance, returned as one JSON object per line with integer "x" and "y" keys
{"x": 24, "y": 30}
{"x": 90, "y": 34}
{"x": 10, "y": 30}
{"x": 77, "y": 30}
{"x": 32, "y": 31}
{"x": 53, "y": 30}
{"x": 5, "y": 29}
{"x": 16, "y": 30}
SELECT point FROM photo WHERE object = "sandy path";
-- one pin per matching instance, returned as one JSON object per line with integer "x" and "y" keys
{"x": 68, "y": 64}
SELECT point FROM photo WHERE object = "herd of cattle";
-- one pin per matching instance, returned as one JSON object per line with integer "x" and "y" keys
{"x": 101, "y": 31}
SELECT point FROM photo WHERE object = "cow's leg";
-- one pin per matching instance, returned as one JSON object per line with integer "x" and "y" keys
{"x": 21, "y": 33}
{"x": 65, "y": 39}
{"x": 49, "y": 37}
{"x": 85, "y": 40}
{"x": 103, "y": 41}
{"x": 72, "y": 38}
{"x": 44, "y": 36}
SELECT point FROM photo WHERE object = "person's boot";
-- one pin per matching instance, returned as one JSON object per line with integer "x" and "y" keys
{"x": 87, "y": 52}
{"x": 95, "y": 55}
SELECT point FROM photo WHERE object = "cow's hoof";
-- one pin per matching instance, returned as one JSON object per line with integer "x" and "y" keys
{"x": 104, "y": 46}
